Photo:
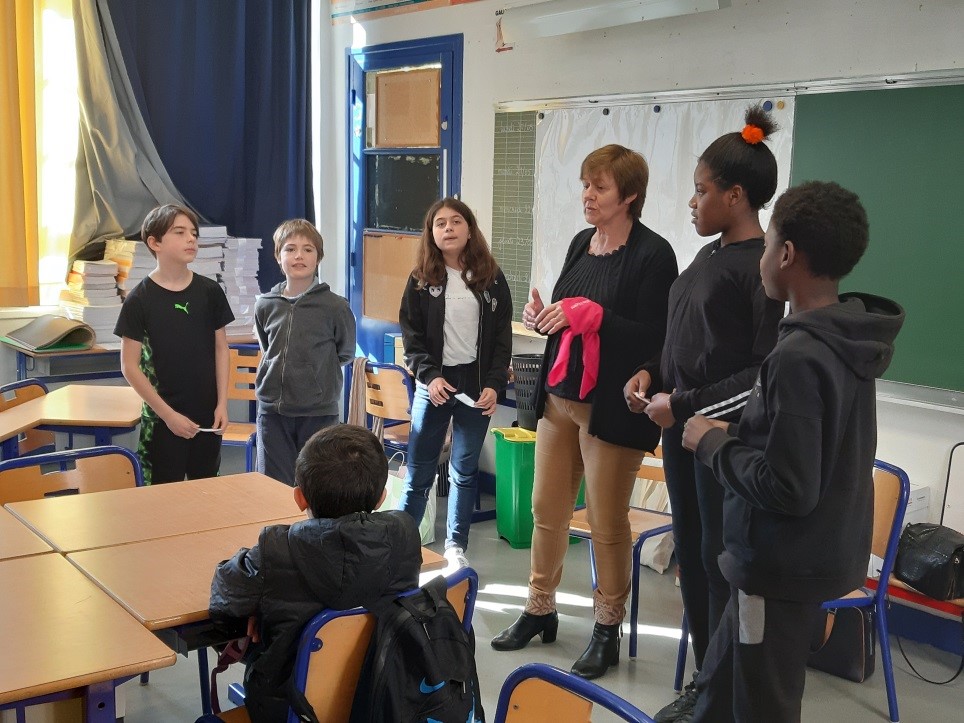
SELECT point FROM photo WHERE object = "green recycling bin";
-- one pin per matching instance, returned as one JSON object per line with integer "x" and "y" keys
{"x": 515, "y": 454}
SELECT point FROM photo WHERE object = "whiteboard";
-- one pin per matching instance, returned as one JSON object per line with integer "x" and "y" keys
{"x": 670, "y": 138}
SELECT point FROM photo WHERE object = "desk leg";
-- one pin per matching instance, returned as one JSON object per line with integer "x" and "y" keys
{"x": 99, "y": 703}
{"x": 10, "y": 448}
{"x": 21, "y": 366}
{"x": 205, "y": 680}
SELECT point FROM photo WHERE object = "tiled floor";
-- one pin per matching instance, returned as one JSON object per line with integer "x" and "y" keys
{"x": 172, "y": 694}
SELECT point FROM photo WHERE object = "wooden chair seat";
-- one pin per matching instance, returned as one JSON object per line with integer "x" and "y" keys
{"x": 641, "y": 522}
{"x": 238, "y": 433}
{"x": 235, "y": 715}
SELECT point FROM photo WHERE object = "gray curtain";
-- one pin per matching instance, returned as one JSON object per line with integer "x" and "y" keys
{"x": 120, "y": 176}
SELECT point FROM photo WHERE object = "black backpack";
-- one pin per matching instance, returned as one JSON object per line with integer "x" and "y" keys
{"x": 420, "y": 664}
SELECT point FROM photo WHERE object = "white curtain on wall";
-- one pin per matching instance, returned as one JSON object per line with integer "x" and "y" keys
{"x": 671, "y": 140}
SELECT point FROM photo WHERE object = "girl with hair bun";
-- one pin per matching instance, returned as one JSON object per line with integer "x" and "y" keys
{"x": 720, "y": 327}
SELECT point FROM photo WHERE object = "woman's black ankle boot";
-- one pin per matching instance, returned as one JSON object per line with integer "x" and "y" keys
{"x": 518, "y": 635}
{"x": 602, "y": 652}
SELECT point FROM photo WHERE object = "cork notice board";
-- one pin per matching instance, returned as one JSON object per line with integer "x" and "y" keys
{"x": 388, "y": 262}
{"x": 407, "y": 108}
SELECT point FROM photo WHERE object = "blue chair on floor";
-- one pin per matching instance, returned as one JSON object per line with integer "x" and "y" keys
{"x": 891, "y": 492}
{"x": 242, "y": 371}
{"x": 332, "y": 650}
{"x": 389, "y": 392}
{"x": 539, "y": 693}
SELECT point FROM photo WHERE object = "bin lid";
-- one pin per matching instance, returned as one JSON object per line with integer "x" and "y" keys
{"x": 515, "y": 434}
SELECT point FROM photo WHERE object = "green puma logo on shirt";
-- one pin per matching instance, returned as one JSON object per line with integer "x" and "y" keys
{"x": 183, "y": 307}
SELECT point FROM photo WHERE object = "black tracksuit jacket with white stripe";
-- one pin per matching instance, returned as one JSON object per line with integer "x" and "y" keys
{"x": 720, "y": 328}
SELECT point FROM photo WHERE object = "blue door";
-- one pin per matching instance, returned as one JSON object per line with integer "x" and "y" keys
{"x": 392, "y": 182}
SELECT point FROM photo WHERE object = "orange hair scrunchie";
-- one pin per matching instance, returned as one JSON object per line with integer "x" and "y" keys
{"x": 752, "y": 134}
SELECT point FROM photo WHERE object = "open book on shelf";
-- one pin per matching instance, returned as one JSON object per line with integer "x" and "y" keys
{"x": 49, "y": 333}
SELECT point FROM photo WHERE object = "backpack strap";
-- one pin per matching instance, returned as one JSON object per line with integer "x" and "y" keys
{"x": 232, "y": 653}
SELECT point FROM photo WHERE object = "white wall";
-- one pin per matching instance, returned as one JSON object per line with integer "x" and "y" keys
{"x": 752, "y": 42}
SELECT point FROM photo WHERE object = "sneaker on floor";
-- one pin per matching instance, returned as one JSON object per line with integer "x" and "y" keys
{"x": 455, "y": 557}
{"x": 680, "y": 709}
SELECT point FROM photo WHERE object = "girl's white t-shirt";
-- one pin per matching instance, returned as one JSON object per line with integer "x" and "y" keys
{"x": 461, "y": 321}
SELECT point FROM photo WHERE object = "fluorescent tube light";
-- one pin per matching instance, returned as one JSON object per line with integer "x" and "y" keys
{"x": 560, "y": 17}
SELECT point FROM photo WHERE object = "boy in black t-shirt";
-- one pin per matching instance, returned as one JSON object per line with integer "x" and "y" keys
{"x": 174, "y": 353}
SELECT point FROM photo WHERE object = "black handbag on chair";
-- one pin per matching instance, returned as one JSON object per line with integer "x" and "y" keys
{"x": 847, "y": 643}
{"x": 930, "y": 558}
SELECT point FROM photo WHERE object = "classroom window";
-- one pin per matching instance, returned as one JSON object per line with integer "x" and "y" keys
{"x": 400, "y": 189}
{"x": 58, "y": 117}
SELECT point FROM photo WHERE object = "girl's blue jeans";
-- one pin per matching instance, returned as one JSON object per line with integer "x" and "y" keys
{"x": 429, "y": 427}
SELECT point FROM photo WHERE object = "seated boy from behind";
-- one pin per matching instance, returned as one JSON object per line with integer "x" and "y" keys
{"x": 798, "y": 471}
{"x": 342, "y": 556}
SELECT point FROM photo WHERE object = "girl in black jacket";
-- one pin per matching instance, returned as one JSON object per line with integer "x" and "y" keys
{"x": 456, "y": 319}
{"x": 721, "y": 326}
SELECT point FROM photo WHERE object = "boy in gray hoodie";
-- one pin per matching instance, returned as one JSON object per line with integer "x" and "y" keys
{"x": 306, "y": 333}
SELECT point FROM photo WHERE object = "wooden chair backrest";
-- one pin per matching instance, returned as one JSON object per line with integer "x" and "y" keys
{"x": 14, "y": 397}
{"x": 386, "y": 394}
{"x": 539, "y": 701}
{"x": 886, "y": 494}
{"x": 334, "y": 669}
{"x": 90, "y": 474}
{"x": 32, "y": 438}
{"x": 649, "y": 470}
{"x": 242, "y": 372}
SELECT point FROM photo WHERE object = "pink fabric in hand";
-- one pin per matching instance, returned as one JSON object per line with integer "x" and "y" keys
{"x": 585, "y": 318}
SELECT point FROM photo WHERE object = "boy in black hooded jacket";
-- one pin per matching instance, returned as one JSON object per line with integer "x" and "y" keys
{"x": 342, "y": 556}
{"x": 797, "y": 471}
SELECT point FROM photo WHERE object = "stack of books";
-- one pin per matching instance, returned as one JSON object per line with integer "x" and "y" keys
{"x": 92, "y": 297}
{"x": 240, "y": 281}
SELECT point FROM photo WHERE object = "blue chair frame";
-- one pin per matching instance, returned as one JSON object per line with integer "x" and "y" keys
{"x": 65, "y": 457}
{"x": 574, "y": 684}
{"x": 637, "y": 549}
{"x": 308, "y": 644}
{"x": 875, "y": 599}
{"x": 10, "y": 448}
{"x": 392, "y": 447}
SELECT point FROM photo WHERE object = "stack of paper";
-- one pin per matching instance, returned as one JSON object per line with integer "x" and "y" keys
{"x": 93, "y": 282}
{"x": 210, "y": 251}
{"x": 240, "y": 281}
{"x": 121, "y": 251}
{"x": 142, "y": 263}
{"x": 91, "y": 296}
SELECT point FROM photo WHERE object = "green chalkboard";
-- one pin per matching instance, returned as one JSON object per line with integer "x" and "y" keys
{"x": 902, "y": 151}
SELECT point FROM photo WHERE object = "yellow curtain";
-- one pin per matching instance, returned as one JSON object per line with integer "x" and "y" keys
{"x": 19, "y": 277}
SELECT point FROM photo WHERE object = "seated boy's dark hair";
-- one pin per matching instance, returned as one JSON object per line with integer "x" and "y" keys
{"x": 826, "y": 222}
{"x": 341, "y": 470}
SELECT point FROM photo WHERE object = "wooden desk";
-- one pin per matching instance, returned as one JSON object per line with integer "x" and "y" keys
{"x": 60, "y": 632}
{"x": 166, "y": 582}
{"x": 26, "y": 360}
{"x": 79, "y": 408}
{"x": 27, "y": 364}
{"x": 117, "y": 517}
{"x": 16, "y": 540}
